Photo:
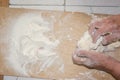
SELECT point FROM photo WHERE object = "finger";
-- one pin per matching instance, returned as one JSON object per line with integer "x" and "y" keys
{"x": 84, "y": 58}
{"x": 87, "y": 54}
{"x": 96, "y": 25}
{"x": 78, "y": 60}
{"x": 80, "y": 56}
{"x": 83, "y": 53}
{"x": 93, "y": 26}
{"x": 101, "y": 27}
{"x": 115, "y": 36}
{"x": 105, "y": 29}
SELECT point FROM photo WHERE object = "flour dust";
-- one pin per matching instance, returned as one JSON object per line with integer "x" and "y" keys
{"x": 31, "y": 50}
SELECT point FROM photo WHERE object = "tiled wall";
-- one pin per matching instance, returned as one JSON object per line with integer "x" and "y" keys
{"x": 89, "y": 6}
{"x": 19, "y": 78}
{"x": 39, "y": 4}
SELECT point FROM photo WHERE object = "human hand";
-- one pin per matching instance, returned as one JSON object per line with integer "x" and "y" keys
{"x": 108, "y": 28}
{"x": 90, "y": 59}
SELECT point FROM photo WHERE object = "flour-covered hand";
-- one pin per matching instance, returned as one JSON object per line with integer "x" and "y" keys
{"x": 90, "y": 59}
{"x": 109, "y": 28}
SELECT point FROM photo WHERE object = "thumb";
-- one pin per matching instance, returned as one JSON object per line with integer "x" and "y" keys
{"x": 78, "y": 60}
{"x": 83, "y": 53}
{"x": 79, "y": 57}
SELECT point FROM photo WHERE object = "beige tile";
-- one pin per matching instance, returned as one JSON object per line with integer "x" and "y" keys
{"x": 106, "y": 10}
{"x": 78, "y": 9}
{"x": 57, "y": 8}
{"x": 42, "y": 2}
{"x": 10, "y": 78}
{"x": 94, "y": 2}
{"x": 22, "y": 78}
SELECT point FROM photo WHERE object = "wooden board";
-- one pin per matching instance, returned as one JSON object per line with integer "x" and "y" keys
{"x": 1, "y": 77}
{"x": 67, "y": 23}
{"x": 4, "y": 3}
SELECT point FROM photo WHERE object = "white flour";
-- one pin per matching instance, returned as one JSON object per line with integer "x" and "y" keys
{"x": 32, "y": 52}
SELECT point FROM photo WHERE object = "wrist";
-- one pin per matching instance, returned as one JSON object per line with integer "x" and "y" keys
{"x": 110, "y": 64}
{"x": 113, "y": 67}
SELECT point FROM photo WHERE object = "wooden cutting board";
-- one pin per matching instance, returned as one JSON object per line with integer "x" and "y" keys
{"x": 70, "y": 25}
{"x": 4, "y": 3}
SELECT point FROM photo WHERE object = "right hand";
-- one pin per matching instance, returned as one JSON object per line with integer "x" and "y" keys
{"x": 91, "y": 59}
{"x": 108, "y": 28}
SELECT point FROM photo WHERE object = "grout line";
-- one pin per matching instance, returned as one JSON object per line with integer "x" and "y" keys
{"x": 64, "y": 5}
{"x": 91, "y": 10}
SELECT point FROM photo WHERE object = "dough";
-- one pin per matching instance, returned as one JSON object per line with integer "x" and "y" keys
{"x": 85, "y": 43}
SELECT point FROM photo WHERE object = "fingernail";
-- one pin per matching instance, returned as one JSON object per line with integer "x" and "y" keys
{"x": 83, "y": 59}
{"x": 78, "y": 55}
{"x": 92, "y": 33}
{"x": 104, "y": 42}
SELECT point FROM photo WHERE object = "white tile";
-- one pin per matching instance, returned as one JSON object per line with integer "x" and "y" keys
{"x": 22, "y": 78}
{"x": 106, "y": 10}
{"x": 78, "y": 9}
{"x": 57, "y": 8}
{"x": 10, "y": 78}
{"x": 44, "y": 2}
{"x": 94, "y": 2}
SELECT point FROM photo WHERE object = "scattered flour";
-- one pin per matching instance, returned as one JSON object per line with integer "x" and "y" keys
{"x": 30, "y": 48}
{"x": 69, "y": 37}
{"x": 71, "y": 28}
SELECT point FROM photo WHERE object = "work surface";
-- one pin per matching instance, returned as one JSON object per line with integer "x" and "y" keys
{"x": 66, "y": 30}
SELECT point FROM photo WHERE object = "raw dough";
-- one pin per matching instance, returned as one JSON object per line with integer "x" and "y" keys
{"x": 85, "y": 43}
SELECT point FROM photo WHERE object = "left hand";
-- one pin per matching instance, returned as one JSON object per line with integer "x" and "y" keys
{"x": 109, "y": 28}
